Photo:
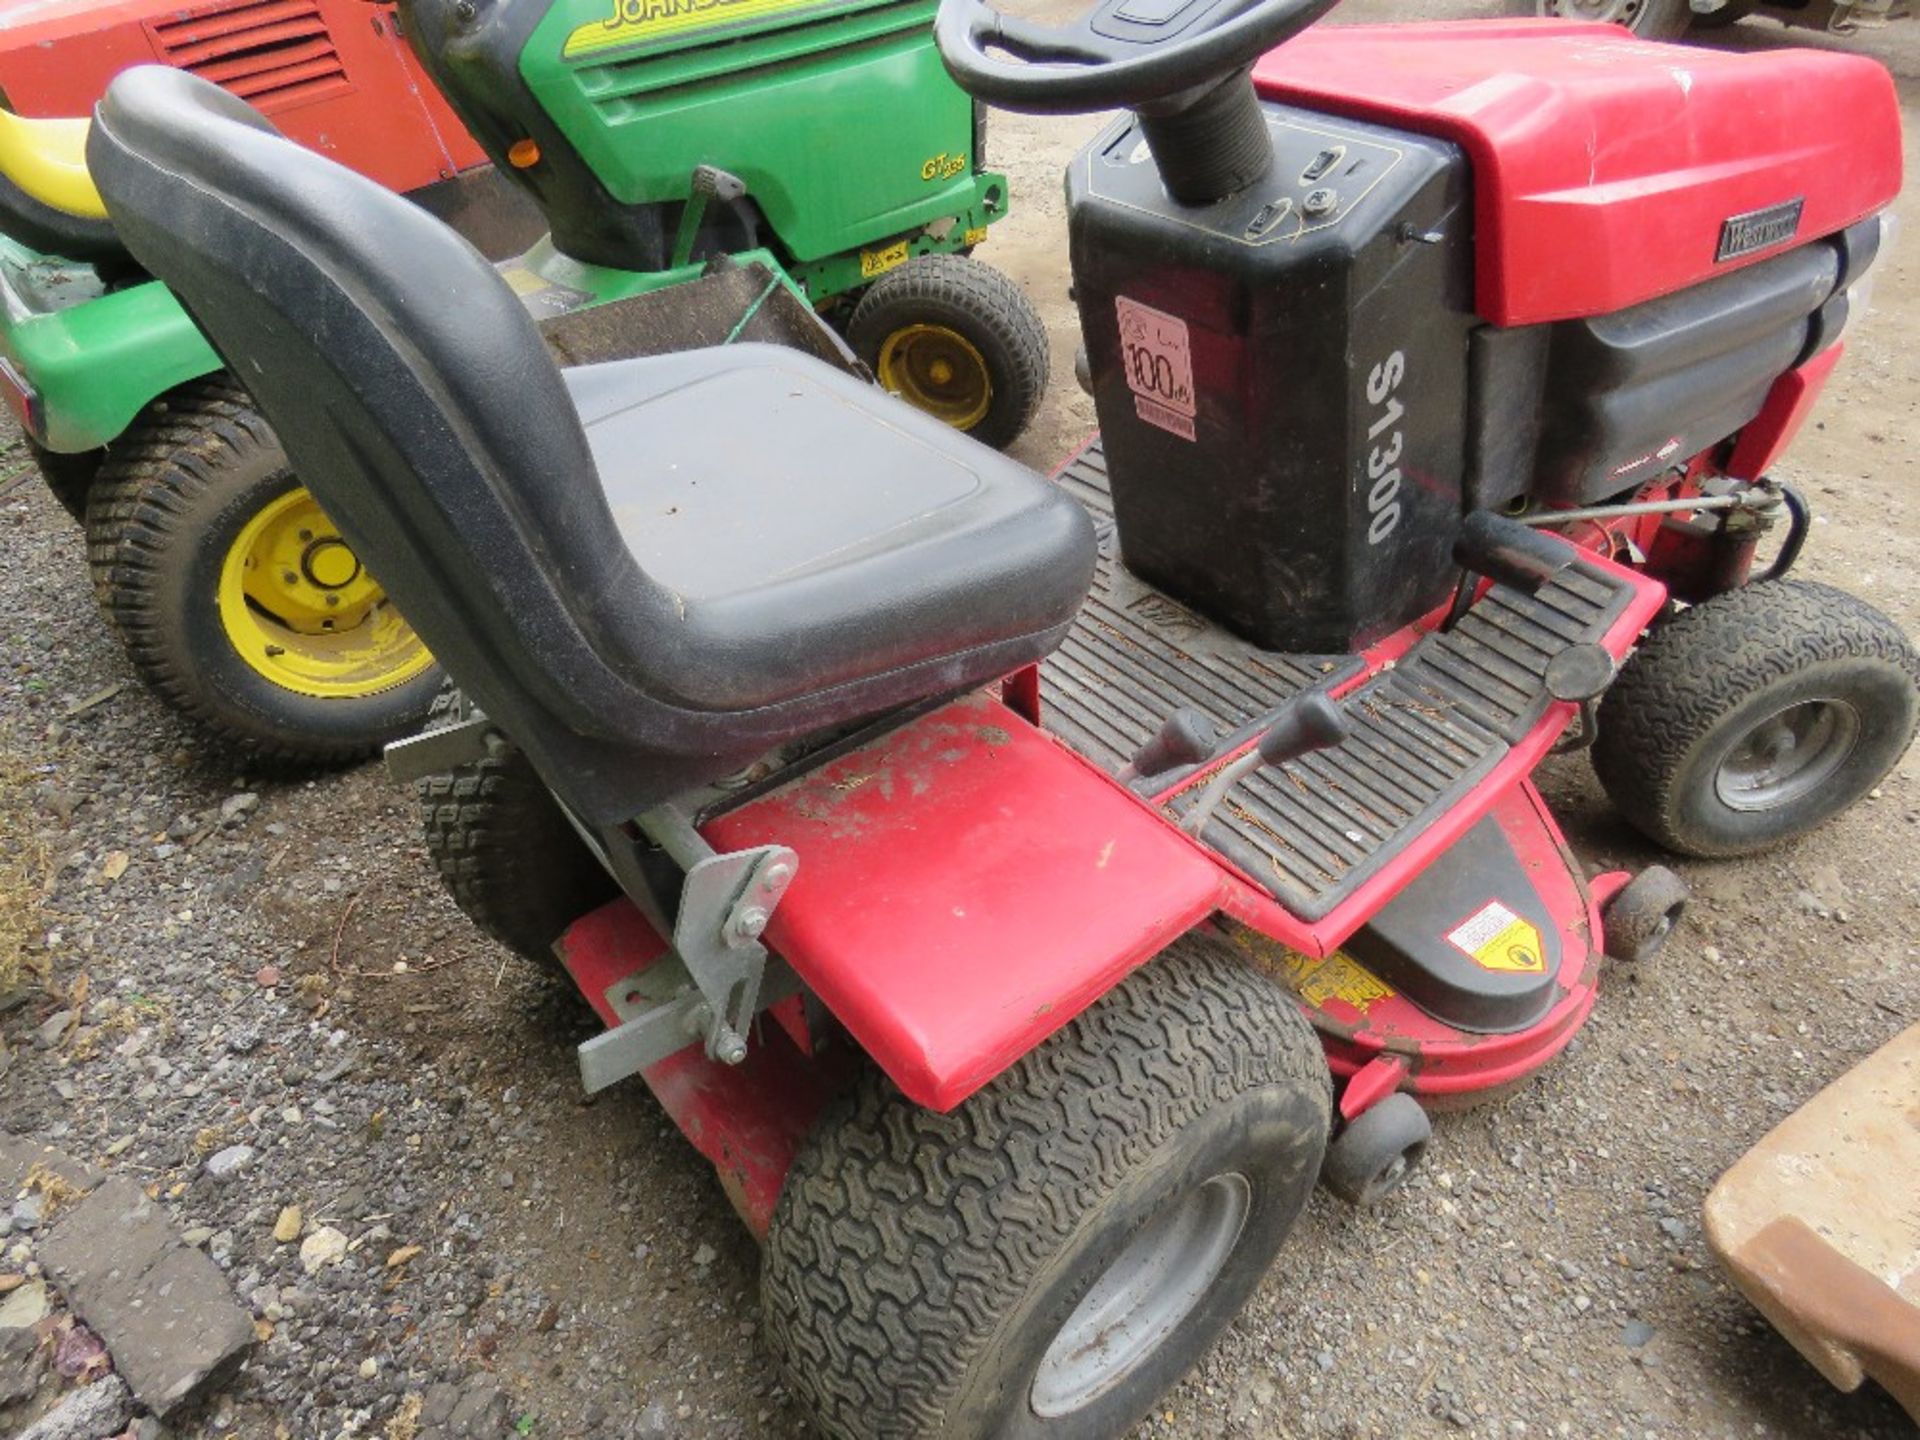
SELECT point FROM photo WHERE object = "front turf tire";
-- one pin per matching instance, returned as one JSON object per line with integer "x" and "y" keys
{"x": 505, "y": 850}
{"x": 957, "y": 339}
{"x": 1753, "y": 718}
{"x": 925, "y": 1274}
{"x": 176, "y": 496}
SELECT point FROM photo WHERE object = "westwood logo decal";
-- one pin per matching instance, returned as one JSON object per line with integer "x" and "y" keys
{"x": 1759, "y": 229}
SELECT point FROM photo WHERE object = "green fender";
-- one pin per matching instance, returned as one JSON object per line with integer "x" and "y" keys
{"x": 81, "y": 372}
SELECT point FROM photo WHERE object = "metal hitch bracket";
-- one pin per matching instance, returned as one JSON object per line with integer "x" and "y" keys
{"x": 724, "y": 909}
{"x": 446, "y": 748}
{"x": 661, "y": 1011}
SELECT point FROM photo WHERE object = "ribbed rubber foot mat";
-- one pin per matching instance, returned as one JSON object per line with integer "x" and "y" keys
{"x": 1423, "y": 733}
{"x": 1136, "y": 656}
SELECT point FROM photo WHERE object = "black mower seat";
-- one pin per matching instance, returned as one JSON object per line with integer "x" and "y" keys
{"x": 47, "y": 200}
{"x": 821, "y": 530}
{"x": 738, "y": 547}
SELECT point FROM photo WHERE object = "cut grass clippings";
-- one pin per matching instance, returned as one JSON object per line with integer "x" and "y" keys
{"x": 23, "y": 869}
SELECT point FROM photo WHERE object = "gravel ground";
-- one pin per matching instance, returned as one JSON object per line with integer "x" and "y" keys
{"x": 270, "y": 966}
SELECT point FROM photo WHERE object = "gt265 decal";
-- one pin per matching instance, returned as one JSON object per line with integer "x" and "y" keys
{"x": 633, "y": 21}
{"x": 1386, "y": 439}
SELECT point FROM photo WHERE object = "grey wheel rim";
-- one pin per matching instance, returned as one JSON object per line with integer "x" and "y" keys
{"x": 1620, "y": 12}
{"x": 1389, "y": 1179}
{"x": 1142, "y": 1296}
{"x": 1787, "y": 755}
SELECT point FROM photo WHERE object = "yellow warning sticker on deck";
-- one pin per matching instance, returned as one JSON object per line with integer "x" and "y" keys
{"x": 1316, "y": 980}
{"x": 1338, "y": 977}
{"x": 1495, "y": 938}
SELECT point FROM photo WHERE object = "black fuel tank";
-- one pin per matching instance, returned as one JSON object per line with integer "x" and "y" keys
{"x": 1281, "y": 377}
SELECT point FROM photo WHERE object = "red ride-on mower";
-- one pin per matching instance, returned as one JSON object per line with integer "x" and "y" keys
{"x": 967, "y": 863}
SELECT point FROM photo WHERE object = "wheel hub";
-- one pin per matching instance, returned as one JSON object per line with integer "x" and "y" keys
{"x": 1787, "y": 754}
{"x": 329, "y": 564}
{"x": 937, "y": 369}
{"x": 298, "y": 606}
{"x": 1142, "y": 1297}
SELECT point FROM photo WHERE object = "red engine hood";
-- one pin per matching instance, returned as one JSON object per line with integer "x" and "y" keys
{"x": 1606, "y": 167}
{"x": 335, "y": 75}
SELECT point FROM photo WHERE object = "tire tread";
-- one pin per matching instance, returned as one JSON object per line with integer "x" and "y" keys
{"x": 1703, "y": 663}
{"x": 504, "y": 850}
{"x": 959, "y": 289}
{"x": 137, "y": 514}
{"x": 903, "y": 1235}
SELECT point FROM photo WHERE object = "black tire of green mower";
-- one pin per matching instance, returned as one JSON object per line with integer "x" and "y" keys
{"x": 920, "y": 1264}
{"x": 69, "y": 477}
{"x": 981, "y": 305}
{"x": 176, "y": 490}
{"x": 505, "y": 850}
{"x": 1706, "y": 677}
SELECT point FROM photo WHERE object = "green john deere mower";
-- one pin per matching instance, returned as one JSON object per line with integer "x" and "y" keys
{"x": 816, "y": 143}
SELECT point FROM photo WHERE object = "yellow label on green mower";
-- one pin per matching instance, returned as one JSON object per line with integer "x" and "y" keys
{"x": 634, "y": 21}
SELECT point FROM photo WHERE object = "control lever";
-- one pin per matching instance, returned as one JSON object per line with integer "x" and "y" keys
{"x": 710, "y": 183}
{"x": 1309, "y": 722}
{"x": 1504, "y": 551}
{"x": 1509, "y": 552}
{"x": 1186, "y": 737}
{"x": 1580, "y": 675}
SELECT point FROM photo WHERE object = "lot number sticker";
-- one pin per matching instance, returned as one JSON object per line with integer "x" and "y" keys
{"x": 1157, "y": 355}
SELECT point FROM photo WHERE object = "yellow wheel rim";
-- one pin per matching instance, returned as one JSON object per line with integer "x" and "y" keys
{"x": 297, "y": 605}
{"x": 937, "y": 370}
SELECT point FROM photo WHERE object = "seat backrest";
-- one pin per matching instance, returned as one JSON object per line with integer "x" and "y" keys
{"x": 409, "y": 386}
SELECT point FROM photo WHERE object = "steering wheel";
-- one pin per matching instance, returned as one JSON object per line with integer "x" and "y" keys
{"x": 1121, "y": 53}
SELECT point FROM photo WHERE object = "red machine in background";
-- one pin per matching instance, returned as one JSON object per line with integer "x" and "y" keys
{"x": 335, "y": 75}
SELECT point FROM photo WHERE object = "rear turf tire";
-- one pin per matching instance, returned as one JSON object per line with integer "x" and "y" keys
{"x": 958, "y": 313}
{"x": 69, "y": 477}
{"x": 1685, "y": 729}
{"x": 177, "y": 493}
{"x": 924, "y": 1274}
{"x": 505, "y": 850}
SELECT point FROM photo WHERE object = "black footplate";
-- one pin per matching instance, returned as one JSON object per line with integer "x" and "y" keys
{"x": 1423, "y": 733}
{"x": 1134, "y": 656}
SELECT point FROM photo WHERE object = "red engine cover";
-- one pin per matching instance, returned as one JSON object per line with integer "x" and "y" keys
{"x": 335, "y": 75}
{"x": 1606, "y": 167}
